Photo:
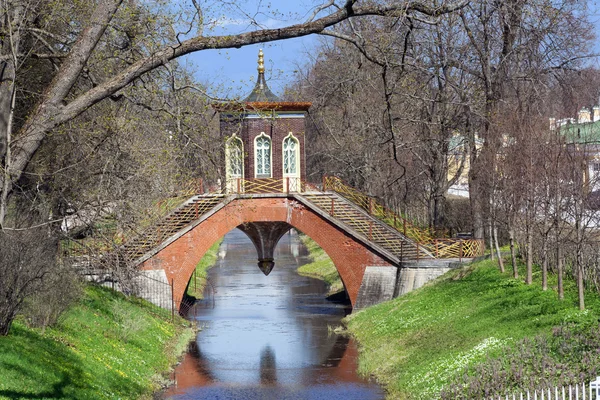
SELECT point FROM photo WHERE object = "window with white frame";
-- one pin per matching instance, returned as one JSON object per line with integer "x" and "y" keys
{"x": 262, "y": 156}
{"x": 235, "y": 157}
{"x": 291, "y": 155}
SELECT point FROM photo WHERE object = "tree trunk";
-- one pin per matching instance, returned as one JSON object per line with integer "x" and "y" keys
{"x": 529, "y": 259}
{"x": 559, "y": 268}
{"x": 500, "y": 261}
{"x": 438, "y": 213}
{"x": 477, "y": 215}
{"x": 7, "y": 108}
{"x": 580, "y": 283}
{"x": 6, "y": 165}
{"x": 545, "y": 264}
{"x": 491, "y": 238}
{"x": 580, "y": 286}
{"x": 7, "y": 316}
{"x": 579, "y": 236}
{"x": 513, "y": 256}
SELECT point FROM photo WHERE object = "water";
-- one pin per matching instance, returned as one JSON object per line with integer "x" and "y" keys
{"x": 268, "y": 337}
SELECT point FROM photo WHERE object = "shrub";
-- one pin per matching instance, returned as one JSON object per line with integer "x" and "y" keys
{"x": 569, "y": 356}
{"x": 56, "y": 293}
{"x": 26, "y": 259}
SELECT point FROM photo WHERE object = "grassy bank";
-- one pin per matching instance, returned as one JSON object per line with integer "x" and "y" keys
{"x": 321, "y": 266}
{"x": 198, "y": 280}
{"x": 416, "y": 344}
{"x": 104, "y": 347}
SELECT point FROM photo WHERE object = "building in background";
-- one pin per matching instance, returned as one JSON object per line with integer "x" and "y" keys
{"x": 582, "y": 136}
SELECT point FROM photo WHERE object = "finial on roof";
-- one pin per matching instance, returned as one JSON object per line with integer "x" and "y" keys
{"x": 261, "y": 92}
{"x": 261, "y": 62}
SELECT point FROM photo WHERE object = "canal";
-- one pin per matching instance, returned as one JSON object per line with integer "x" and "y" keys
{"x": 268, "y": 337}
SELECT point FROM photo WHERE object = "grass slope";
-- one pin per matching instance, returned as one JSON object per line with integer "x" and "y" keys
{"x": 105, "y": 347}
{"x": 198, "y": 280}
{"x": 321, "y": 266}
{"x": 416, "y": 343}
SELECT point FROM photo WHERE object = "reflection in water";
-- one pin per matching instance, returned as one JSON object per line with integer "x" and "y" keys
{"x": 268, "y": 337}
{"x": 268, "y": 373}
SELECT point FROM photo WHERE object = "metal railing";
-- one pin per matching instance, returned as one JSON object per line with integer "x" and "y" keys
{"x": 377, "y": 210}
{"x": 268, "y": 185}
{"x": 441, "y": 248}
{"x": 581, "y": 391}
{"x": 456, "y": 248}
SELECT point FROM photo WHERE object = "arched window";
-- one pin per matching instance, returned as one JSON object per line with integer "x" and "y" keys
{"x": 262, "y": 156}
{"x": 235, "y": 158}
{"x": 291, "y": 156}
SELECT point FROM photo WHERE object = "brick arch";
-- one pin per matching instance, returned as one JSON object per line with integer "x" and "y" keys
{"x": 179, "y": 258}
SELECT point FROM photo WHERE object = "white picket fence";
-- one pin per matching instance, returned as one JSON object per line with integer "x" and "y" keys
{"x": 590, "y": 391}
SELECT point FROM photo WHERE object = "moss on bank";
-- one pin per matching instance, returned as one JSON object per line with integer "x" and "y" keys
{"x": 321, "y": 267}
{"x": 416, "y": 344}
{"x": 105, "y": 347}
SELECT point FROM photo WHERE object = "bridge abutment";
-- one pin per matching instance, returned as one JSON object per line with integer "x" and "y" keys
{"x": 381, "y": 284}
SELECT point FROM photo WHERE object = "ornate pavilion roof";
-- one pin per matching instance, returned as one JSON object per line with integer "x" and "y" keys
{"x": 261, "y": 92}
{"x": 261, "y": 98}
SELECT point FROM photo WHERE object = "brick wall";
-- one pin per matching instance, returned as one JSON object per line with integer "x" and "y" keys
{"x": 277, "y": 129}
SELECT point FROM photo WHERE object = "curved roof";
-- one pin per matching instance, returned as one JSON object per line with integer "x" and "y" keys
{"x": 261, "y": 97}
{"x": 261, "y": 92}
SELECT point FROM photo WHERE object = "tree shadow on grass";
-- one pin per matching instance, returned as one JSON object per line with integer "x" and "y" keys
{"x": 56, "y": 392}
{"x": 47, "y": 369}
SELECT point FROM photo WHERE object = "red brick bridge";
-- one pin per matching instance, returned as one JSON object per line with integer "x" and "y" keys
{"x": 369, "y": 245}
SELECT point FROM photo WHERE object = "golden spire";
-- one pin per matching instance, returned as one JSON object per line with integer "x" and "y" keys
{"x": 261, "y": 62}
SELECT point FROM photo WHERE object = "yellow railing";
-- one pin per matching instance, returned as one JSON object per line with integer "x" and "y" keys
{"x": 440, "y": 248}
{"x": 456, "y": 248}
{"x": 377, "y": 210}
{"x": 268, "y": 185}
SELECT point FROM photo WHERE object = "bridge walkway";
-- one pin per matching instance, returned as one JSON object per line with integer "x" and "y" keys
{"x": 370, "y": 228}
{"x": 171, "y": 224}
{"x": 352, "y": 211}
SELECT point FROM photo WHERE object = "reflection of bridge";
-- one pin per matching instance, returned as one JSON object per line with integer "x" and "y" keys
{"x": 195, "y": 371}
{"x": 377, "y": 253}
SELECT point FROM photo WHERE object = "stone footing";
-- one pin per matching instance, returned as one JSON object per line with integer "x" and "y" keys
{"x": 381, "y": 284}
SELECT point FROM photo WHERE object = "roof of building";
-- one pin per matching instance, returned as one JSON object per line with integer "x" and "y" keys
{"x": 261, "y": 99}
{"x": 261, "y": 92}
{"x": 581, "y": 133}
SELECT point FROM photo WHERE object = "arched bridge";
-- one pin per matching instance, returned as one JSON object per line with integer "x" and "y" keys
{"x": 377, "y": 253}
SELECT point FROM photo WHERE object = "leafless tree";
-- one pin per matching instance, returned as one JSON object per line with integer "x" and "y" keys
{"x": 59, "y": 103}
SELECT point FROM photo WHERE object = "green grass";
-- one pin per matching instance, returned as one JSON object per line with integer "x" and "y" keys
{"x": 105, "y": 347}
{"x": 198, "y": 281}
{"x": 321, "y": 266}
{"x": 416, "y": 343}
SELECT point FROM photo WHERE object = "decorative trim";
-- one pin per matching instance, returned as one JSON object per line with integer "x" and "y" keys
{"x": 276, "y": 116}
{"x": 262, "y": 105}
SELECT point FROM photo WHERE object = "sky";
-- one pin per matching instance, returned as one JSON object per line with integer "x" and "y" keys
{"x": 233, "y": 72}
